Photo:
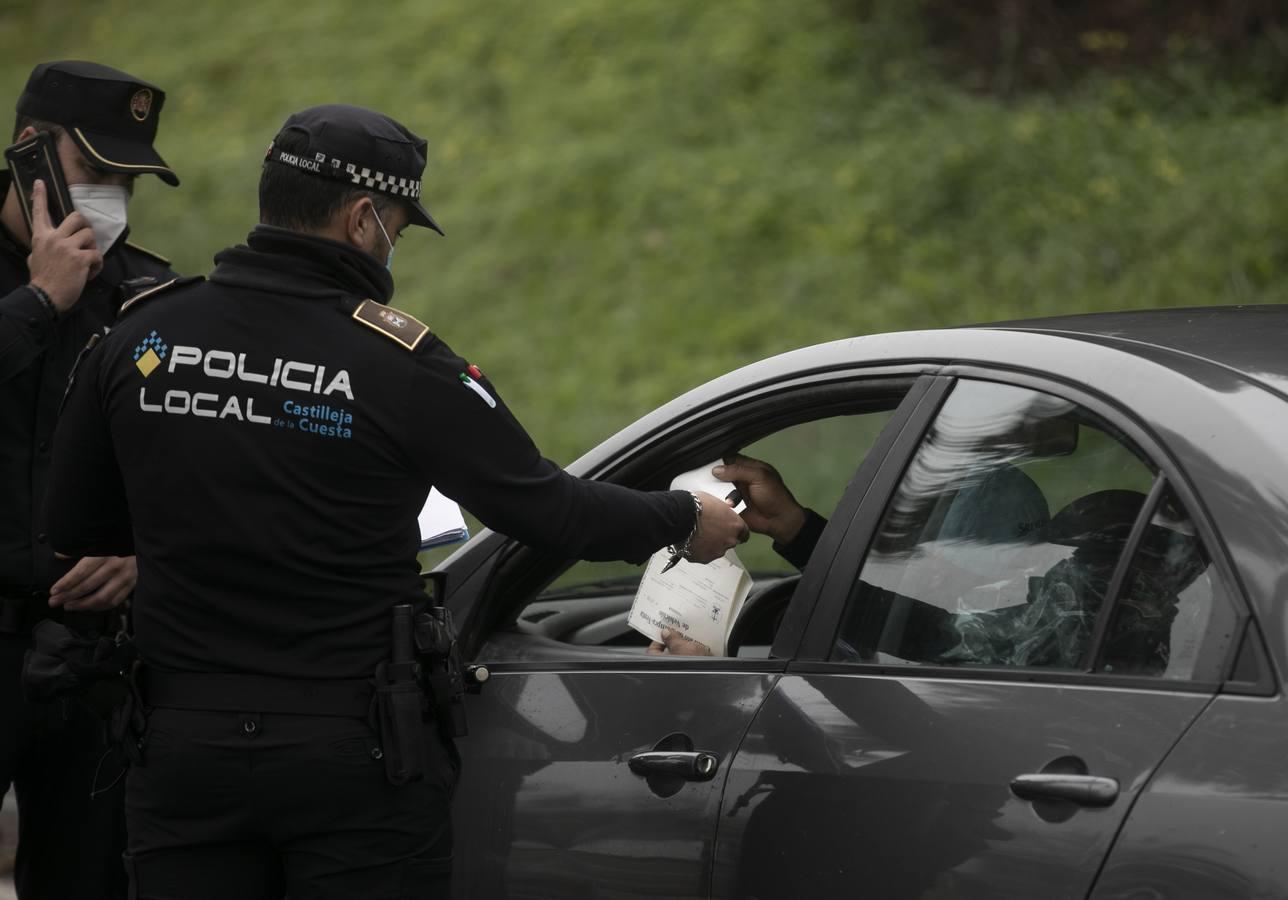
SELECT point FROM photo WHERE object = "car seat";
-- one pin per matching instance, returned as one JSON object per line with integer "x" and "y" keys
{"x": 1002, "y": 506}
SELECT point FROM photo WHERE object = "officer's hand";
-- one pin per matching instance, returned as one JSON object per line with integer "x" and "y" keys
{"x": 675, "y": 644}
{"x": 719, "y": 529}
{"x": 95, "y": 583}
{"x": 771, "y": 508}
{"x": 64, "y": 258}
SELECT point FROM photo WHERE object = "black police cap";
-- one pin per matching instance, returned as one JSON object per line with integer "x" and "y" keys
{"x": 111, "y": 115}
{"x": 362, "y": 147}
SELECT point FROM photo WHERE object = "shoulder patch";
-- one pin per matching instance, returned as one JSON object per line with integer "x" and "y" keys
{"x": 399, "y": 327}
{"x": 152, "y": 253}
{"x": 135, "y": 301}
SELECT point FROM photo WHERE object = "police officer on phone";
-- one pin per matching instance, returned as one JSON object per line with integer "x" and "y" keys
{"x": 58, "y": 287}
{"x": 273, "y": 431}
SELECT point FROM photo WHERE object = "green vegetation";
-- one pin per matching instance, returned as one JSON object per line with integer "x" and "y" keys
{"x": 640, "y": 196}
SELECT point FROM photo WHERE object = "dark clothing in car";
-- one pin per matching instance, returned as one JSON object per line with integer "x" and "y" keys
{"x": 801, "y": 547}
{"x": 1050, "y": 626}
{"x": 273, "y": 432}
{"x": 70, "y": 838}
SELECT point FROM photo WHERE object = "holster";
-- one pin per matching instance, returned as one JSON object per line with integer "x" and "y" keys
{"x": 98, "y": 672}
{"x": 62, "y": 663}
{"x": 400, "y": 705}
{"x": 439, "y": 656}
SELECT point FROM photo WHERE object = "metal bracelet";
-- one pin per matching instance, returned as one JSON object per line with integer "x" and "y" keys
{"x": 685, "y": 550}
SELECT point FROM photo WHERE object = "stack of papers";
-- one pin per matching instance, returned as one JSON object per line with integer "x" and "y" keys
{"x": 701, "y": 602}
{"x": 441, "y": 522}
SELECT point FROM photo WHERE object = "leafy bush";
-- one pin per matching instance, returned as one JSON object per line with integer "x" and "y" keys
{"x": 1004, "y": 45}
{"x": 640, "y": 196}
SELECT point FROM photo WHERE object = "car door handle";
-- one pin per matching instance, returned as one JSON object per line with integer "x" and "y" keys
{"x": 696, "y": 765}
{"x": 1084, "y": 790}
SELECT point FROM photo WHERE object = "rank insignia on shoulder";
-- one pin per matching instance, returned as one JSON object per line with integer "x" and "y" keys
{"x": 148, "y": 292}
{"x": 131, "y": 286}
{"x": 397, "y": 326}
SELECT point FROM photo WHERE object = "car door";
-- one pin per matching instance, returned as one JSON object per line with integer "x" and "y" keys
{"x": 591, "y": 768}
{"x": 1019, "y": 621}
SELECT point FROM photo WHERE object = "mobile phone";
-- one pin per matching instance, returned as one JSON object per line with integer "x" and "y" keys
{"x": 37, "y": 157}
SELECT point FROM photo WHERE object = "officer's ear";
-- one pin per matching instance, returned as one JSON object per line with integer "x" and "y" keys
{"x": 27, "y": 132}
{"x": 360, "y": 224}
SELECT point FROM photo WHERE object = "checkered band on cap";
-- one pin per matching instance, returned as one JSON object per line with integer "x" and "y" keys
{"x": 363, "y": 176}
{"x": 390, "y": 184}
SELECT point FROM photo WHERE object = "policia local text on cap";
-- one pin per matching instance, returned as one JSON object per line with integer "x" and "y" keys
{"x": 59, "y": 287}
{"x": 276, "y": 428}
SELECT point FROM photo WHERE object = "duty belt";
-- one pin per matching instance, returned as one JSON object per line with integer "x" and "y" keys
{"x": 346, "y": 698}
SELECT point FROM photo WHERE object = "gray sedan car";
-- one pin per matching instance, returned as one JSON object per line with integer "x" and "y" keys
{"x": 1037, "y": 650}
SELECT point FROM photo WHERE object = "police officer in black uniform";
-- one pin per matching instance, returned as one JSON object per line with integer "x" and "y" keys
{"x": 273, "y": 431}
{"x": 58, "y": 287}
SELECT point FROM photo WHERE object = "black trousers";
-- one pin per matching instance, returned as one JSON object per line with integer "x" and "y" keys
{"x": 256, "y": 806}
{"x": 71, "y": 826}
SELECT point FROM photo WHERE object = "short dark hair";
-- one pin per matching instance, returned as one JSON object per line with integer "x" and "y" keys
{"x": 290, "y": 198}
{"x": 27, "y": 121}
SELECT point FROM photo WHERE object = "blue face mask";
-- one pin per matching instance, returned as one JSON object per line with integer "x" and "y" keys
{"x": 389, "y": 260}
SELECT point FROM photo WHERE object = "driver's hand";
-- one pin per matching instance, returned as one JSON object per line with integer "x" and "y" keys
{"x": 676, "y": 644}
{"x": 771, "y": 508}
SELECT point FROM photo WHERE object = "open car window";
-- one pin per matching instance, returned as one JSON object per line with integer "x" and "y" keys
{"x": 816, "y": 460}
{"x": 580, "y": 610}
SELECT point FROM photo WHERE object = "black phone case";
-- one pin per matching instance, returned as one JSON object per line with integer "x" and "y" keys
{"x": 37, "y": 157}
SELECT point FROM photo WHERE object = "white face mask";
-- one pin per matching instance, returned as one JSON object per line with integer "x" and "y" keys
{"x": 104, "y": 205}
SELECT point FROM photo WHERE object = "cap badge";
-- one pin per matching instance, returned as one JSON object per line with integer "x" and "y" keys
{"x": 394, "y": 320}
{"x": 141, "y": 104}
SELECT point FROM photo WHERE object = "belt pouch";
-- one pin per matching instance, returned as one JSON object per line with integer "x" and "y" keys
{"x": 399, "y": 704}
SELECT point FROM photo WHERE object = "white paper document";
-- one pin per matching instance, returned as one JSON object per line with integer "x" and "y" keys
{"x": 699, "y": 601}
{"x": 441, "y": 522}
{"x": 701, "y": 479}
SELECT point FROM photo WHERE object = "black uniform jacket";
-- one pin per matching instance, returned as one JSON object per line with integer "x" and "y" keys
{"x": 273, "y": 433}
{"x": 36, "y": 355}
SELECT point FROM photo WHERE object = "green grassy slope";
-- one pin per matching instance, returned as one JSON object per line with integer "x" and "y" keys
{"x": 639, "y": 196}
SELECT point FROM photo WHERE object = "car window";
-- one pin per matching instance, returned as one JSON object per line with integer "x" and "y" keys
{"x": 816, "y": 460}
{"x": 588, "y": 603}
{"x": 1001, "y": 538}
{"x": 1166, "y": 602}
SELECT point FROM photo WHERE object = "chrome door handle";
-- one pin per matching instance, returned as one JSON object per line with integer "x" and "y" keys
{"x": 697, "y": 765}
{"x": 1084, "y": 790}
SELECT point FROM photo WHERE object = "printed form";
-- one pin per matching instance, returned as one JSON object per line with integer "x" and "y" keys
{"x": 699, "y": 601}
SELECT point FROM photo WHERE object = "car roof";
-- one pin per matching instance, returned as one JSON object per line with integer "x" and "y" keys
{"x": 1249, "y": 340}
